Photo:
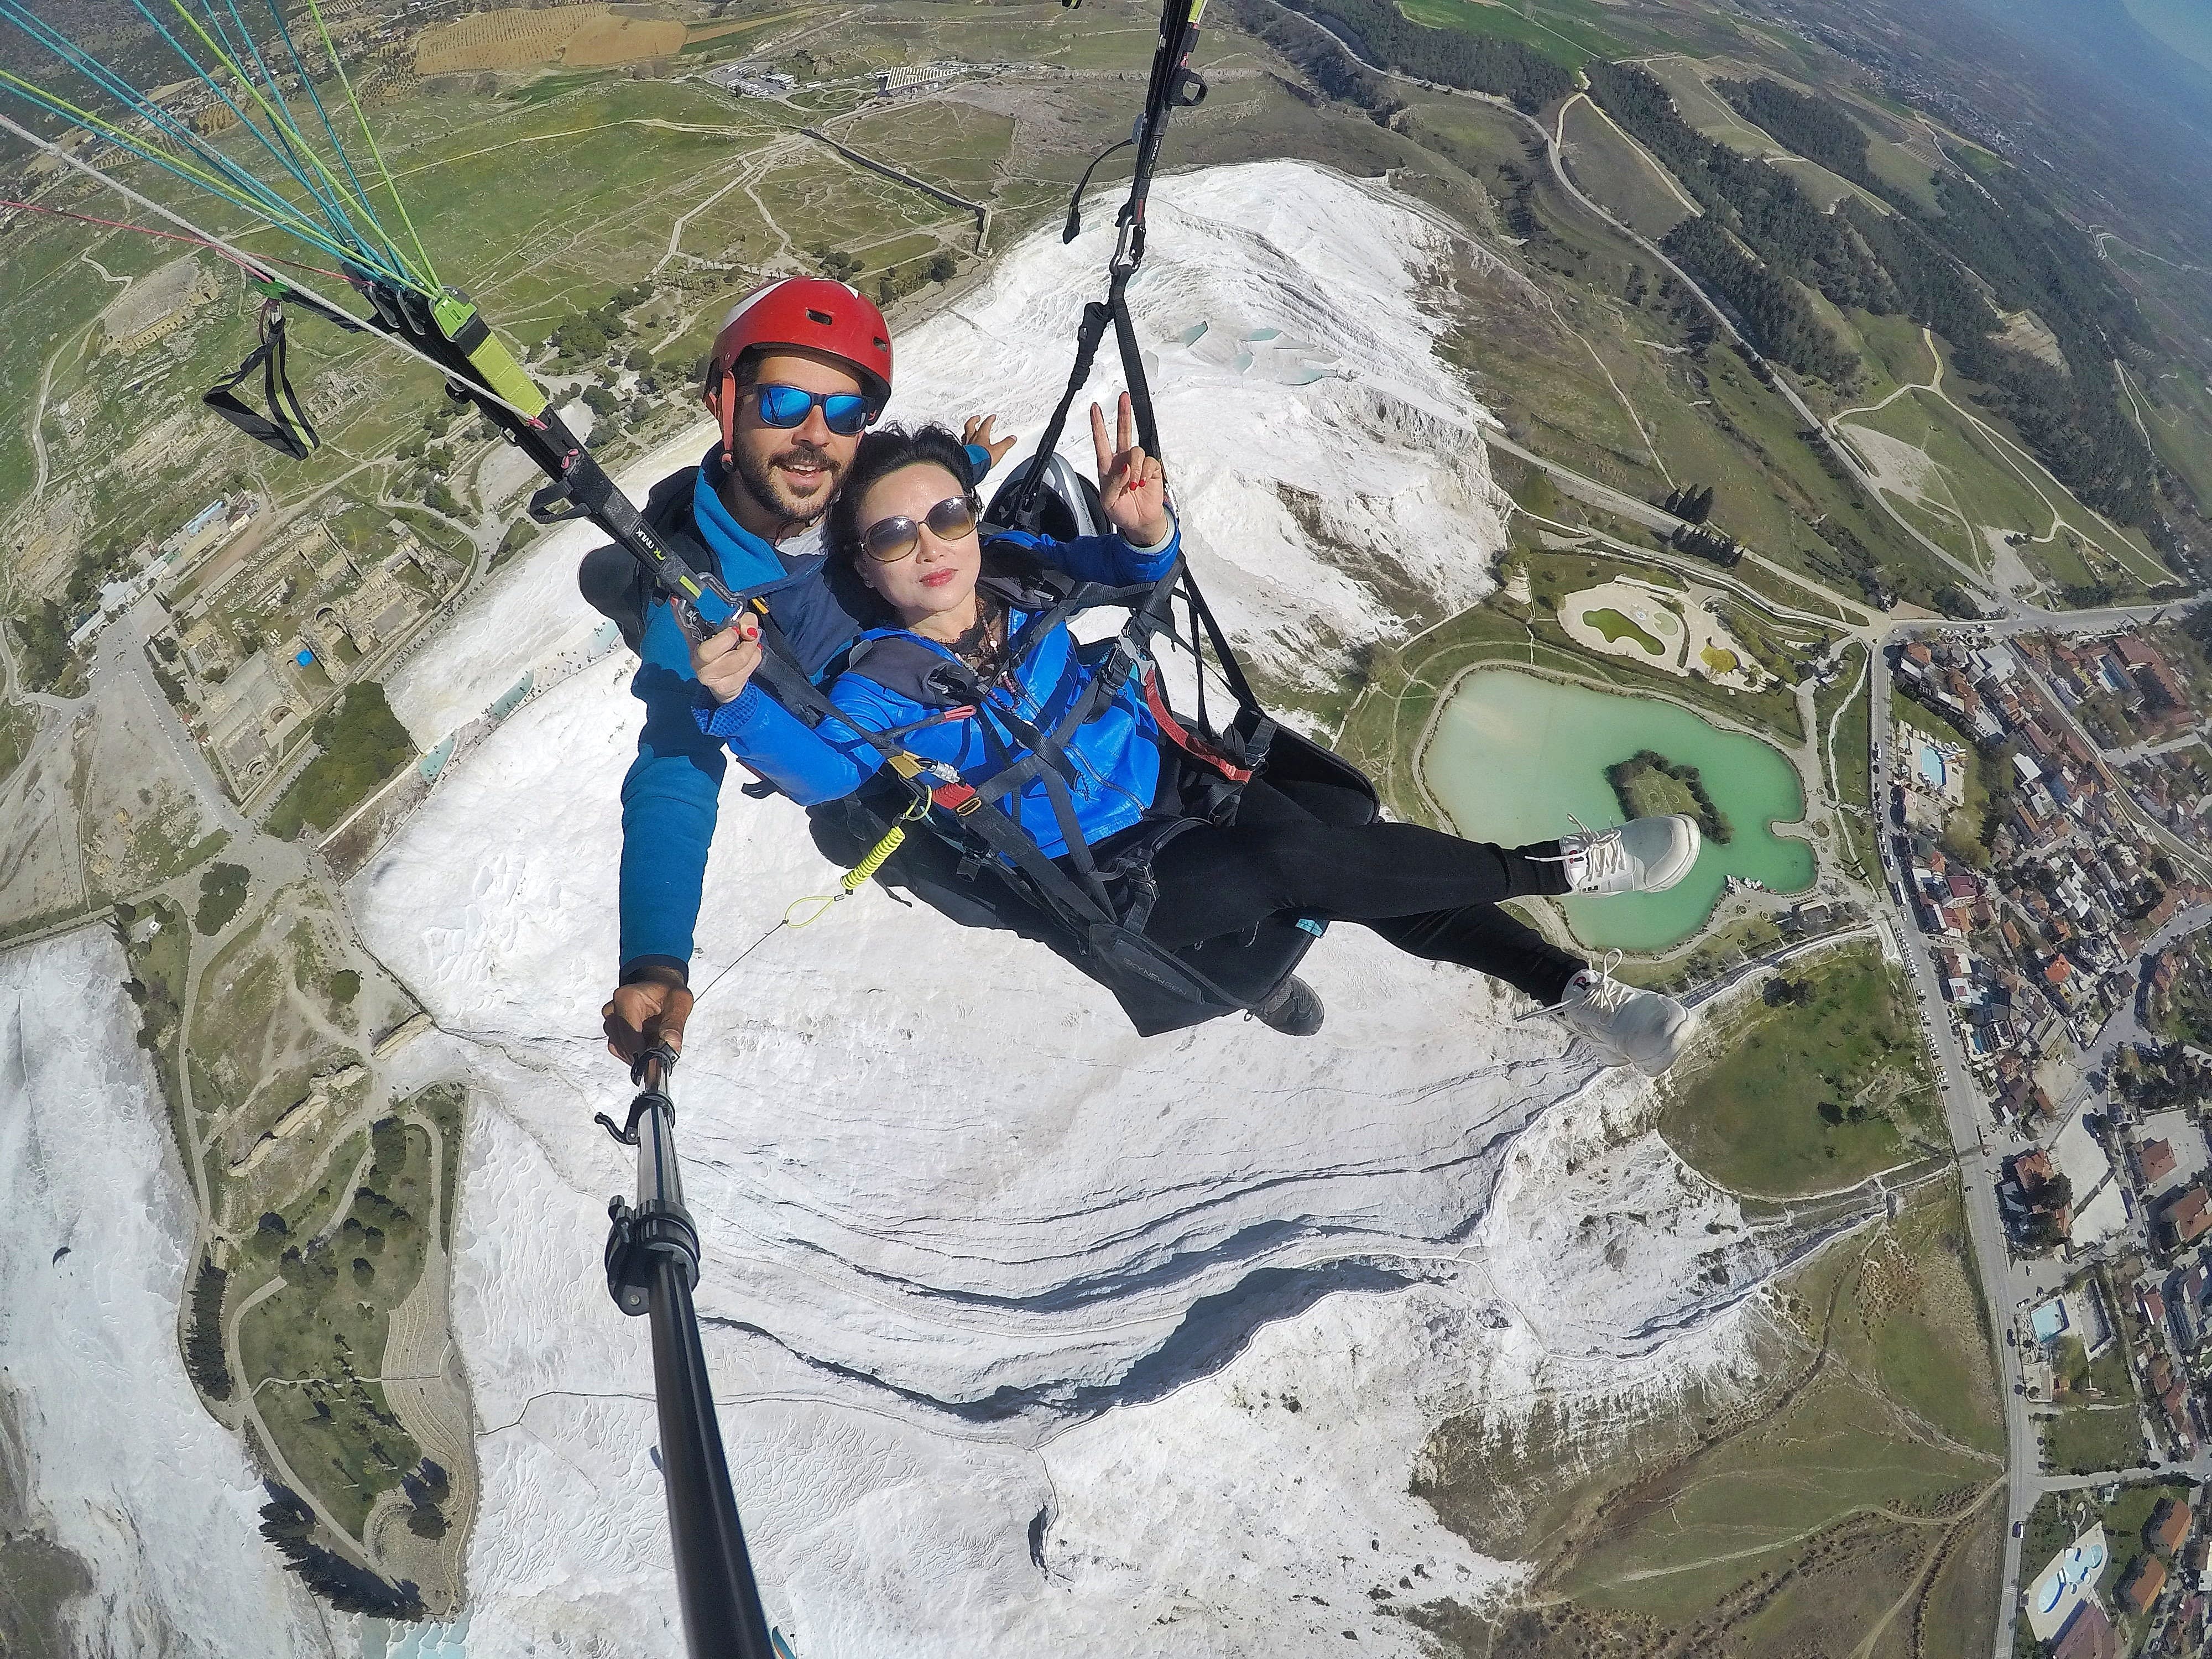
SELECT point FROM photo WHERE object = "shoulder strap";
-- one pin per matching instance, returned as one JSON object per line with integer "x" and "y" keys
{"x": 904, "y": 667}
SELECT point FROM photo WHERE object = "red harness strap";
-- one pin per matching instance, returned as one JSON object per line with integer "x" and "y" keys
{"x": 1196, "y": 747}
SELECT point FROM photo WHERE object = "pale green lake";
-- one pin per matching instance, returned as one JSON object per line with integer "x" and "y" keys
{"x": 1513, "y": 754}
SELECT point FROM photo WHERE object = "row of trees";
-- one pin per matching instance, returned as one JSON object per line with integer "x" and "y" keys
{"x": 1322, "y": 57}
{"x": 1704, "y": 542}
{"x": 205, "y": 1362}
{"x": 1772, "y": 310}
{"x": 1994, "y": 226}
{"x": 1815, "y": 129}
{"x": 287, "y": 1522}
{"x": 1476, "y": 63}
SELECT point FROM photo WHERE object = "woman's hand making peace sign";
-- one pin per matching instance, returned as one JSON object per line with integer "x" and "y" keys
{"x": 1132, "y": 487}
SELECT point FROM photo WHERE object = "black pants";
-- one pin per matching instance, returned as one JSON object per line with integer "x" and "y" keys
{"x": 1301, "y": 848}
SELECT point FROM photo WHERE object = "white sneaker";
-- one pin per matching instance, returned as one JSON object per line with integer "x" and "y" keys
{"x": 1644, "y": 856}
{"x": 1641, "y": 1029}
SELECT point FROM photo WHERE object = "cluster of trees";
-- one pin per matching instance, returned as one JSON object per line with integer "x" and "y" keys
{"x": 1690, "y": 503}
{"x": 426, "y": 1489}
{"x": 1761, "y": 207}
{"x": 1772, "y": 310}
{"x": 1816, "y": 130}
{"x": 902, "y": 280}
{"x": 892, "y": 284}
{"x": 362, "y": 743}
{"x": 836, "y": 262}
{"x": 223, "y": 891}
{"x": 158, "y": 1013}
{"x": 587, "y": 333}
{"x": 1319, "y": 55}
{"x": 1382, "y": 35}
{"x": 287, "y": 1522}
{"x": 205, "y": 1362}
{"x": 1704, "y": 542}
{"x": 1623, "y": 776}
{"x": 1783, "y": 992}
{"x": 44, "y": 632}
{"x": 2039, "y": 1228}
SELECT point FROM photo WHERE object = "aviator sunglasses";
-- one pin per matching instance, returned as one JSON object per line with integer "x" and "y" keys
{"x": 845, "y": 413}
{"x": 889, "y": 540}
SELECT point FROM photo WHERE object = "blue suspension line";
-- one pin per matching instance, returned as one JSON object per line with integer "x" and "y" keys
{"x": 246, "y": 189}
{"x": 334, "y": 201}
{"x": 339, "y": 225}
{"x": 361, "y": 192}
{"x": 305, "y": 231}
{"x": 333, "y": 214}
{"x": 253, "y": 192}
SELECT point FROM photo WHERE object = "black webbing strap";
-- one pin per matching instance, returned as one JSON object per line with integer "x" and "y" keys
{"x": 1096, "y": 317}
{"x": 285, "y": 426}
{"x": 1232, "y": 671}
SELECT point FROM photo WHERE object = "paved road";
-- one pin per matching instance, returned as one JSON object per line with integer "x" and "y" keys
{"x": 1963, "y": 1114}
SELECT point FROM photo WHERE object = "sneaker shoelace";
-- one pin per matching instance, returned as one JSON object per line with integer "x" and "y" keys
{"x": 1603, "y": 992}
{"x": 1603, "y": 852}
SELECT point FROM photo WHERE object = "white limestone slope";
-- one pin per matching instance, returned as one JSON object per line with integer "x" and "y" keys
{"x": 125, "y": 1469}
{"x": 1029, "y": 1333}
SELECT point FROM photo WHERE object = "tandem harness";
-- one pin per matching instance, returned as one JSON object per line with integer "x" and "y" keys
{"x": 1092, "y": 911}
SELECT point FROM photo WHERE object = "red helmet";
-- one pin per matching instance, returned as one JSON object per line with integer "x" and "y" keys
{"x": 814, "y": 313}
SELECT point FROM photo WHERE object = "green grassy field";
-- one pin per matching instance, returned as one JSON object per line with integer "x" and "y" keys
{"x": 1567, "y": 31}
{"x": 2084, "y": 1439}
{"x": 1651, "y": 793}
{"x": 1853, "y": 1484}
{"x": 312, "y": 1349}
{"x": 1610, "y": 170}
{"x": 1706, "y": 111}
{"x": 1615, "y": 627}
{"x": 1749, "y": 1112}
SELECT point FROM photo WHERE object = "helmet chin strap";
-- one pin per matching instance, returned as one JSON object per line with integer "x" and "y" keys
{"x": 726, "y": 411}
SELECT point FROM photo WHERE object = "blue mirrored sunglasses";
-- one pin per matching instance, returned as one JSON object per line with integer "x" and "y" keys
{"x": 845, "y": 413}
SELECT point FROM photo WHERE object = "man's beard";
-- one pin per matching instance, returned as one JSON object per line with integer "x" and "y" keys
{"x": 757, "y": 474}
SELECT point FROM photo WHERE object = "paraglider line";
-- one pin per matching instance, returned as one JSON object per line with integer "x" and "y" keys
{"x": 215, "y": 248}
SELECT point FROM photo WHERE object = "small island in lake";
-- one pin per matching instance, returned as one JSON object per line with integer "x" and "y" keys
{"x": 1648, "y": 784}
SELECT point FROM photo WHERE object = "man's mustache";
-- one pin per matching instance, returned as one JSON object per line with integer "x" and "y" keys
{"x": 807, "y": 455}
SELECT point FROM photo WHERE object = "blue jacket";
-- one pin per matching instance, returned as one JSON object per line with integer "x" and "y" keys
{"x": 672, "y": 794}
{"x": 1115, "y": 756}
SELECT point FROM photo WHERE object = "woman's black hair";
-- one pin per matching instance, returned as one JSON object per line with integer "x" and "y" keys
{"x": 880, "y": 454}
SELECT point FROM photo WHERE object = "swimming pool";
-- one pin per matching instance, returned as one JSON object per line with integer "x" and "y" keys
{"x": 1931, "y": 766}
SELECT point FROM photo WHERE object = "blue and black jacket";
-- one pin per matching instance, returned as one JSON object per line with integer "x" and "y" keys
{"x": 1113, "y": 758}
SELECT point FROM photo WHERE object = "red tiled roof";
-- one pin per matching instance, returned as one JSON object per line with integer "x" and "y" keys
{"x": 2157, "y": 1159}
{"x": 2169, "y": 1526}
{"x": 2189, "y": 1216}
{"x": 2087, "y": 1634}
{"x": 2149, "y": 1578}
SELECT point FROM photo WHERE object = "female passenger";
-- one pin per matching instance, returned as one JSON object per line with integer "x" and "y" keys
{"x": 905, "y": 523}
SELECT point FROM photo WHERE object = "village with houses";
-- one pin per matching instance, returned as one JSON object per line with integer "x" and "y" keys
{"x": 2046, "y": 809}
